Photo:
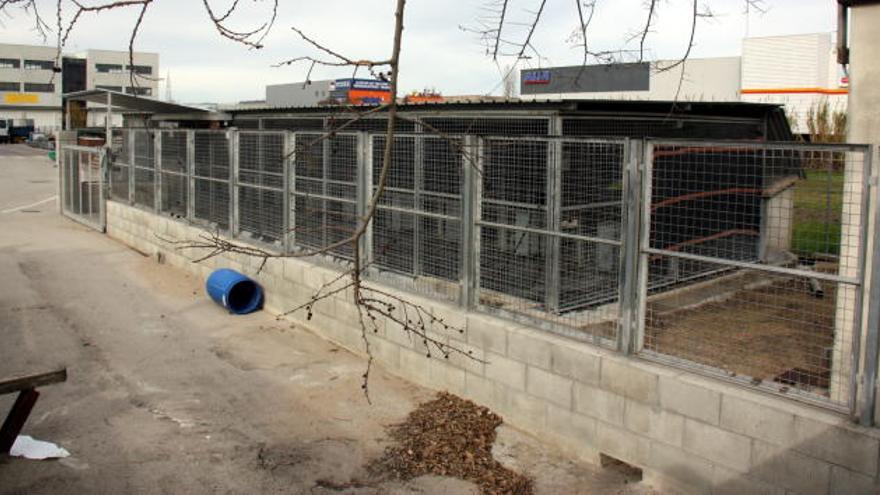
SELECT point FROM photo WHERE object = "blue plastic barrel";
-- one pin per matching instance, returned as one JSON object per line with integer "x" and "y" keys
{"x": 234, "y": 291}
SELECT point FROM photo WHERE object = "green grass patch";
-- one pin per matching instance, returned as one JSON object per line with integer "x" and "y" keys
{"x": 818, "y": 206}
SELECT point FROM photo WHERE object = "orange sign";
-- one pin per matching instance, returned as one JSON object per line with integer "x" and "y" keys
{"x": 19, "y": 98}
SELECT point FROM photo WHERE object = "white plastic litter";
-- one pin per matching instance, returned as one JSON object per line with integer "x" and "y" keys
{"x": 29, "y": 448}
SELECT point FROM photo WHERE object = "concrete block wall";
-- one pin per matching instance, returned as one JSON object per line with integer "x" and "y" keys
{"x": 688, "y": 433}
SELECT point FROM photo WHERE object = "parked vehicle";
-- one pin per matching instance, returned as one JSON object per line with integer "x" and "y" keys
{"x": 19, "y": 129}
{"x": 4, "y": 131}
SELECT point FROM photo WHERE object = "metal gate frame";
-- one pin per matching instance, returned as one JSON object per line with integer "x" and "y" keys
{"x": 86, "y": 206}
{"x": 861, "y": 394}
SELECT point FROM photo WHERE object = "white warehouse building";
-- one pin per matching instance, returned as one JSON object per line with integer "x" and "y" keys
{"x": 805, "y": 76}
{"x": 33, "y": 78}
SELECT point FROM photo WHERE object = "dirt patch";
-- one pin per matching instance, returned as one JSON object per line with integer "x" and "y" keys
{"x": 449, "y": 436}
{"x": 764, "y": 332}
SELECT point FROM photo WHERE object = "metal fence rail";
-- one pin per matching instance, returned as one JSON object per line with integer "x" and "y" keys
{"x": 755, "y": 259}
{"x": 743, "y": 261}
{"x": 82, "y": 182}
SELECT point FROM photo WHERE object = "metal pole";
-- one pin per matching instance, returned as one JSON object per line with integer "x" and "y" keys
{"x": 629, "y": 252}
{"x": 233, "y": 182}
{"x": 190, "y": 172}
{"x": 872, "y": 287}
{"x": 552, "y": 260}
{"x": 469, "y": 205}
{"x": 365, "y": 192}
{"x": 157, "y": 172}
{"x": 644, "y": 220}
{"x": 418, "y": 181}
{"x": 285, "y": 192}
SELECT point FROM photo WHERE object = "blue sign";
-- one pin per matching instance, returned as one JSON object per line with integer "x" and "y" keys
{"x": 537, "y": 77}
{"x": 367, "y": 84}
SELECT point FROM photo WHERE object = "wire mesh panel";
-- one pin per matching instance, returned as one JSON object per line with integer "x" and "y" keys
{"x": 550, "y": 233}
{"x": 144, "y": 168}
{"x": 120, "y": 165}
{"x": 174, "y": 170}
{"x": 82, "y": 185}
{"x": 325, "y": 192}
{"x": 755, "y": 259}
{"x": 211, "y": 172}
{"x": 417, "y": 231}
{"x": 260, "y": 185}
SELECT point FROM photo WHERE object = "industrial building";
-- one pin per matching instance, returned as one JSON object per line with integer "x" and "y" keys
{"x": 805, "y": 76}
{"x": 328, "y": 92}
{"x": 33, "y": 78}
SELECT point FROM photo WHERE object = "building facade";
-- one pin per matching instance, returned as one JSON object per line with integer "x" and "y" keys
{"x": 797, "y": 71}
{"x": 33, "y": 78}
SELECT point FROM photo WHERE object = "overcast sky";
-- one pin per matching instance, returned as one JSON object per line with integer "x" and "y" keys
{"x": 205, "y": 67}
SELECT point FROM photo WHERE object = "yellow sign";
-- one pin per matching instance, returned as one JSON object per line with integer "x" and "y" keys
{"x": 18, "y": 98}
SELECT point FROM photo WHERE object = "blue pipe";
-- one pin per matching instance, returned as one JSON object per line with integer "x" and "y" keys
{"x": 234, "y": 291}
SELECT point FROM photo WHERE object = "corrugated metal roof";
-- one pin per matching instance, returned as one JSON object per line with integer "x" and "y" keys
{"x": 586, "y": 105}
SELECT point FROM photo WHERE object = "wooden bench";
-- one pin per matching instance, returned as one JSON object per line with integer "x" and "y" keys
{"x": 24, "y": 403}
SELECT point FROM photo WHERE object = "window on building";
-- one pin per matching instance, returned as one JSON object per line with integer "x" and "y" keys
{"x": 139, "y": 91}
{"x": 9, "y": 63}
{"x": 39, "y": 87}
{"x": 108, "y": 68}
{"x": 140, "y": 69}
{"x": 39, "y": 64}
{"x": 9, "y": 86}
{"x": 109, "y": 88}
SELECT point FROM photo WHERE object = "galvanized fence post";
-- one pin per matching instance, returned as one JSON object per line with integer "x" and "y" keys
{"x": 470, "y": 241}
{"x": 645, "y": 172}
{"x": 157, "y": 172}
{"x": 190, "y": 172}
{"x": 285, "y": 191}
{"x": 364, "y": 193}
{"x": 232, "y": 138}
{"x": 552, "y": 259}
{"x": 132, "y": 183}
{"x": 628, "y": 275}
{"x": 871, "y": 289}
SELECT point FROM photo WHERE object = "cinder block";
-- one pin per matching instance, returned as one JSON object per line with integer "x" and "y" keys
{"x": 849, "y": 482}
{"x": 727, "y": 482}
{"x": 506, "y": 371}
{"x": 837, "y": 445}
{"x": 580, "y": 363}
{"x": 757, "y": 420}
{"x": 526, "y": 411}
{"x": 598, "y": 403}
{"x": 549, "y": 386}
{"x": 443, "y": 376}
{"x": 529, "y": 348}
{"x": 654, "y": 422}
{"x": 485, "y": 392}
{"x": 415, "y": 367}
{"x": 731, "y": 450}
{"x": 471, "y": 358}
{"x": 487, "y": 333}
{"x": 789, "y": 469}
{"x": 690, "y": 399}
{"x": 455, "y": 318}
{"x": 573, "y": 431}
{"x": 622, "y": 444}
{"x": 622, "y": 376}
{"x": 292, "y": 269}
{"x": 689, "y": 473}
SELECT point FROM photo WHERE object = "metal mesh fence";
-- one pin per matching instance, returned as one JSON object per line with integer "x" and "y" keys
{"x": 174, "y": 171}
{"x": 752, "y": 254}
{"x": 82, "y": 184}
{"x": 120, "y": 166}
{"x": 211, "y": 173}
{"x": 325, "y": 192}
{"x": 144, "y": 168}
{"x": 261, "y": 170}
{"x": 754, "y": 261}
{"x": 550, "y": 232}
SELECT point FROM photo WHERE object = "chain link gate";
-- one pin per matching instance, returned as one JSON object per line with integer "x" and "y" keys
{"x": 752, "y": 261}
{"x": 82, "y": 169}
